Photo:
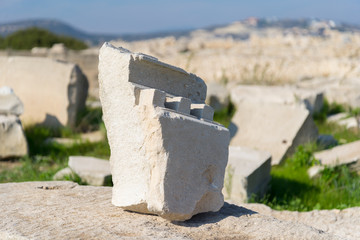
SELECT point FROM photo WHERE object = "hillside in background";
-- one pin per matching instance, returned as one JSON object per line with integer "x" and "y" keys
{"x": 62, "y": 28}
{"x": 306, "y": 26}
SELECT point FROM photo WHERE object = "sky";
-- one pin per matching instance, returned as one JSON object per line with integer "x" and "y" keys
{"x": 139, "y": 16}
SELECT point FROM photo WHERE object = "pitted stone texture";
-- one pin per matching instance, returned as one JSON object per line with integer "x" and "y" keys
{"x": 52, "y": 91}
{"x": 92, "y": 170}
{"x": 271, "y": 127}
{"x": 12, "y": 138}
{"x": 64, "y": 210}
{"x": 247, "y": 173}
{"x": 10, "y": 104}
{"x": 162, "y": 161}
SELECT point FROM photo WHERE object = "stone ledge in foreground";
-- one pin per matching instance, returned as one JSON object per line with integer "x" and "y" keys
{"x": 65, "y": 210}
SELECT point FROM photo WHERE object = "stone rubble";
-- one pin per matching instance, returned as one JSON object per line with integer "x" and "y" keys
{"x": 343, "y": 119}
{"x": 12, "y": 138}
{"x": 163, "y": 160}
{"x": 342, "y": 154}
{"x": 272, "y": 127}
{"x": 53, "y": 92}
{"x": 10, "y": 104}
{"x": 312, "y": 100}
{"x": 93, "y": 171}
{"x": 247, "y": 173}
{"x": 346, "y": 154}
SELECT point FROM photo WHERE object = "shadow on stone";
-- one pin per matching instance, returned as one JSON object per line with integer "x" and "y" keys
{"x": 228, "y": 210}
{"x": 233, "y": 130}
{"x": 51, "y": 121}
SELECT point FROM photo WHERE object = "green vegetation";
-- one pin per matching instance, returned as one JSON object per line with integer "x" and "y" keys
{"x": 292, "y": 189}
{"x": 35, "y": 37}
{"x": 340, "y": 133}
{"x": 46, "y": 158}
{"x": 224, "y": 115}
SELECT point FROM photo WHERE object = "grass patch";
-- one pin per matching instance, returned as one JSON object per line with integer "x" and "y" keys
{"x": 224, "y": 115}
{"x": 292, "y": 189}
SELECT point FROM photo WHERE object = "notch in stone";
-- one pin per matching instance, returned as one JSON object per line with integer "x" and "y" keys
{"x": 152, "y": 96}
{"x": 179, "y": 104}
{"x": 202, "y": 111}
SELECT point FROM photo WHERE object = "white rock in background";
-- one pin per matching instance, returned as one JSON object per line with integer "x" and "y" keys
{"x": 343, "y": 154}
{"x": 92, "y": 170}
{"x": 314, "y": 171}
{"x": 12, "y": 139}
{"x": 52, "y": 91}
{"x": 343, "y": 91}
{"x": 285, "y": 95}
{"x": 343, "y": 119}
{"x": 272, "y": 127}
{"x": 65, "y": 172}
{"x": 163, "y": 161}
{"x": 247, "y": 173}
{"x": 10, "y": 104}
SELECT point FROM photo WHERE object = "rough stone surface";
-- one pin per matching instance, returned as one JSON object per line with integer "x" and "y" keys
{"x": 64, "y": 210}
{"x": 285, "y": 95}
{"x": 343, "y": 154}
{"x": 10, "y": 104}
{"x": 344, "y": 223}
{"x": 162, "y": 161}
{"x": 92, "y": 170}
{"x": 247, "y": 173}
{"x": 272, "y": 127}
{"x": 12, "y": 138}
{"x": 52, "y": 91}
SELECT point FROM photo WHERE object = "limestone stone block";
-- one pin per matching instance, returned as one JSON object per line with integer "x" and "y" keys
{"x": 66, "y": 172}
{"x": 272, "y": 127}
{"x": 202, "y": 111}
{"x": 314, "y": 171}
{"x": 162, "y": 161}
{"x": 247, "y": 173}
{"x": 52, "y": 91}
{"x": 92, "y": 170}
{"x": 12, "y": 139}
{"x": 10, "y": 104}
{"x": 179, "y": 104}
{"x": 285, "y": 95}
{"x": 342, "y": 154}
{"x": 344, "y": 91}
